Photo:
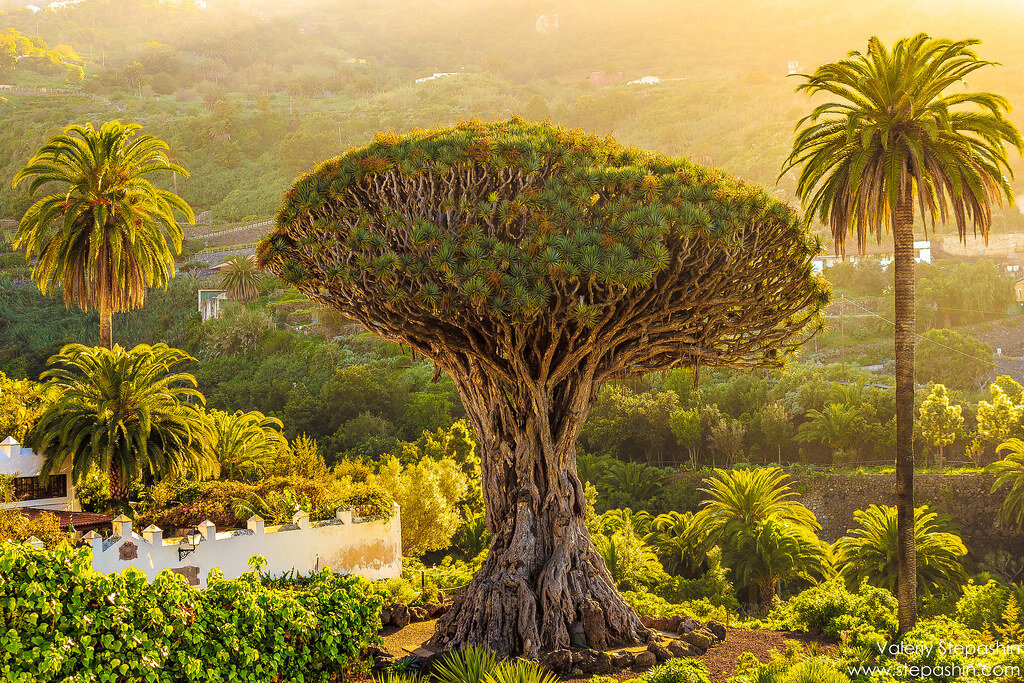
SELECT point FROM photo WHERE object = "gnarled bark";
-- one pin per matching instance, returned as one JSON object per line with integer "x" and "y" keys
{"x": 542, "y": 572}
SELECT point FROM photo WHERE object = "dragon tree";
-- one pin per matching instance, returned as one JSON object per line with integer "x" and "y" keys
{"x": 532, "y": 264}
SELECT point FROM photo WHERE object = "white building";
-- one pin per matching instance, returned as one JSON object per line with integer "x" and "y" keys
{"x": 209, "y": 302}
{"x": 24, "y": 465}
{"x": 883, "y": 253}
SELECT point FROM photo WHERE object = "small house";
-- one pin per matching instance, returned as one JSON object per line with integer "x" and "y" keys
{"x": 29, "y": 492}
{"x": 209, "y": 303}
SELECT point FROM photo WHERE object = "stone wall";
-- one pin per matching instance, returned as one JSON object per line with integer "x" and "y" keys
{"x": 965, "y": 497}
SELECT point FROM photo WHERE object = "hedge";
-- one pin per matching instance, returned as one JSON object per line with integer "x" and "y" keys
{"x": 62, "y": 621}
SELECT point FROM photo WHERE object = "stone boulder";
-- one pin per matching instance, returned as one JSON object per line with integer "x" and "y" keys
{"x": 644, "y": 660}
{"x": 659, "y": 651}
{"x": 623, "y": 660}
{"x": 701, "y": 639}
{"x": 400, "y": 616}
{"x": 717, "y": 629}
{"x": 558, "y": 661}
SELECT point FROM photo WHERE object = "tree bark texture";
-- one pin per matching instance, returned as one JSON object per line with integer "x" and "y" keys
{"x": 105, "y": 326}
{"x": 118, "y": 486}
{"x": 903, "y": 238}
{"x": 542, "y": 573}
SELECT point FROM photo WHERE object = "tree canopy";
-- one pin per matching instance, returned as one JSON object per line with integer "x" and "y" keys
{"x": 492, "y": 239}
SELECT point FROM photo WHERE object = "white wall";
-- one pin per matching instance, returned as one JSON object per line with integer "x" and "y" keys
{"x": 18, "y": 461}
{"x": 372, "y": 549}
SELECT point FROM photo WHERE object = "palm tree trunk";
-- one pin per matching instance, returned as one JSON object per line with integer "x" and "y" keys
{"x": 118, "y": 486}
{"x": 105, "y": 326}
{"x": 903, "y": 238}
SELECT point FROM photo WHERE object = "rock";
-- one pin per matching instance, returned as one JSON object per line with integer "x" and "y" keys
{"x": 386, "y": 613}
{"x": 434, "y": 609}
{"x": 644, "y": 660}
{"x": 594, "y": 629}
{"x": 717, "y": 629}
{"x": 701, "y": 639}
{"x": 380, "y": 656}
{"x": 623, "y": 660}
{"x": 659, "y": 651}
{"x": 595, "y": 662}
{"x": 400, "y": 616}
{"x": 558, "y": 661}
{"x": 417, "y": 614}
{"x": 666, "y": 624}
{"x": 679, "y": 649}
{"x": 686, "y": 625}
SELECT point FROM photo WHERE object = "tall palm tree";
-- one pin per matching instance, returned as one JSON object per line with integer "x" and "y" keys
{"x": 245, "y": 444}
{"x": 127, "y": 413}
{"x": 891, "y": 138}
{"x": 869, "y": 552}
{"x": 108, "y": 234}
{"x": 241, "y": 278}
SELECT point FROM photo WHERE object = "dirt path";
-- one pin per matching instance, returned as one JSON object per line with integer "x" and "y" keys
{"x": 720, "y": 660}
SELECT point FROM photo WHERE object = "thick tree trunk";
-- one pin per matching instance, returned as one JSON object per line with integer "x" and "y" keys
{"x": 767, "y": 597}
{"x": 105, "y": 326}
{"x": 903, "y": 238}
{"x": 542, "y": 578}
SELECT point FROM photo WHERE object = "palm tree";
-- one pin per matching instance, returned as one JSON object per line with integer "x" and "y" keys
{"x": 1010, "y": 472}
{"x": 241, "y": 278}
{"x": 680, "y": 543}
{"x": 127, "y": 413}
{"x": 108, "y": 234}
{"x": 772, "y": 550}
{"x": 741, "y": 498}
{"x": 892, "y": 137}
{"x": 739, "y": 503}
{"x": 245, "y": 444}
{"x": 870, "y": 551}
{"x": 835, "y": 426}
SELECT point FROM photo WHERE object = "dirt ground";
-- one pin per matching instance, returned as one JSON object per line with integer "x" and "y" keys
{"x": 720, "y": 659}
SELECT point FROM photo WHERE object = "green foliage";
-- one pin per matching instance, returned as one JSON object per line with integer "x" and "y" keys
{"x": 472, "y": 664}
{"x": 831, "y": 609}
{"x": 240, "y": 279}
{"x": 129, "y": 413}
{"x": 245, "y": 444}
{"x": 953, "y": 358}
{"x": 17, "y": 527}
{"x": 22, "y": 403}
{"x": 429, "y": 493}
{"x": 75, "y": 235}
{"x": 999, "y": 419}
{"x": 981, "y": 605}
{"x": 1009, "y": 473}
{"x": 123, "y": 627}
{"x": 869, "y": 553}
{"x": 678, "y": 671}
{"x": 940, "y": 420}
{"x": 679, "y": 541}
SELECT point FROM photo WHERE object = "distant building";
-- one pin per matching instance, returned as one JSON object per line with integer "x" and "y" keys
{"x": 604, "y": 78}
{"x": 546, "y": 23}
{"x": 434, "y": 77}
{"x": 883, "y": 253}
{"x": 793, "y": 67}
{"x": 1019, "y": 287}
{"x": 209, "y": 303}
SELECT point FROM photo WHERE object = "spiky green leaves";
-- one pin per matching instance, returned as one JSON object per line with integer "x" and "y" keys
{"x": 517, "y": 222}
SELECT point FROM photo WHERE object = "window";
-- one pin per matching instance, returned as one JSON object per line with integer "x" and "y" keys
{"x": 29, "y": 488}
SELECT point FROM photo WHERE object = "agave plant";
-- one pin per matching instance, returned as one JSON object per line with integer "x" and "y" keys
{"x": 472, "y": 664}
{"x": 869, "y": 552}
{"x": 1009, "y": 472}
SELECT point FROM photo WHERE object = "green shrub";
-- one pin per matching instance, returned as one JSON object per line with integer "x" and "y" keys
{"x": 831, "y": 609}
{"x": 981, "y": 607}
{"x": 678, "y": 671}
{"x": 74, "y": 624}
{"x": 651, "y": 605}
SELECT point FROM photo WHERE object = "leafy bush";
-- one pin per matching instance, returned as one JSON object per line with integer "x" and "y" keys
{"x": 17, "y": 527}
{"x": 831, "y": 609}
{"x": 119, "y": 627}
{"x": 650, "y": 605}
{"x": 678, "y": 671}
{"x": 981, "y": 606}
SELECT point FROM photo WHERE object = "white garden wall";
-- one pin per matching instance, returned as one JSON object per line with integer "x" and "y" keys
{"x": 372, "y": 549}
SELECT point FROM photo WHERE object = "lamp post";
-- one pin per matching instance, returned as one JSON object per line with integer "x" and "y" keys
{"x": 188, "y": 543}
